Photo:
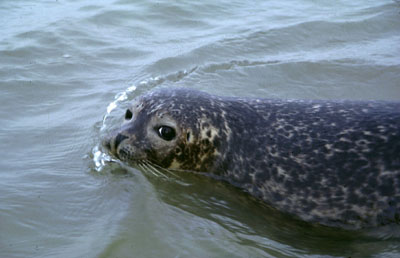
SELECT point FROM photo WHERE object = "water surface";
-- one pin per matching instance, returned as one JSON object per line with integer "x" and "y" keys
{"x": 62, "y": 63}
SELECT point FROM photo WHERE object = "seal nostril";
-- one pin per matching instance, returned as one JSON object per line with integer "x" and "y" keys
{"x": 119, "y": 139}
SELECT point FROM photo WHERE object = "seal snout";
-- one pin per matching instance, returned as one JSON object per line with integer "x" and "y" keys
{"x": 119, "y": 139}
{"x": 112, "y": 143}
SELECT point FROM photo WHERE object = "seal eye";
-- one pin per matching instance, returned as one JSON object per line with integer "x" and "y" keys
{"x": 166, "y": 132}
{"x": 128, "y": 115}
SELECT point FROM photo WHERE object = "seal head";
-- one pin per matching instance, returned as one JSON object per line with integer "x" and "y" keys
{"x": 166, "y": 129}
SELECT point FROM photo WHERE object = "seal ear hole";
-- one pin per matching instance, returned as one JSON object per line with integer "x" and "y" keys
{"x": 128, "y": 115}
{"x": 188, "y": 136}
{"x": 165, "y": 132}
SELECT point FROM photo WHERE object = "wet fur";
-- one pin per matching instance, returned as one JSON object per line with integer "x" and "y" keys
{"x": 331, "y": 162}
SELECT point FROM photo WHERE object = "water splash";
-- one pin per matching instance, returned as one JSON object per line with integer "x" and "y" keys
{"x": 101, "y": 158}
{"x": 120, "y": 97}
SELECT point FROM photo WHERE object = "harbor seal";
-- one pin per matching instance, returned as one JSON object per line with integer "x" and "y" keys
{"x": 336, "y": 163}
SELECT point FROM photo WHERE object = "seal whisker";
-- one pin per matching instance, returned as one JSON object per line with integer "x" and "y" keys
{"x": 155, "y": 171}
{"x": 160, "y": 170}
{"x": 148, "y": 168}
{"x": 144, "y": 169}
{"x": 175, "y": 178}
{"x": 165, "y": 170}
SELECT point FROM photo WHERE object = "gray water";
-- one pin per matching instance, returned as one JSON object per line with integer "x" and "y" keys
{"x": 68, "y": 68}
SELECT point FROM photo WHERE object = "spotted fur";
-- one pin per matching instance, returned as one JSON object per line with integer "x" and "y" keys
{"x": 331, "y": 162}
